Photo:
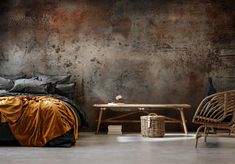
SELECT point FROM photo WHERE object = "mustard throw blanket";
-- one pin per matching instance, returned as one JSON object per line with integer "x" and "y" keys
{"x": 35, "y": 120}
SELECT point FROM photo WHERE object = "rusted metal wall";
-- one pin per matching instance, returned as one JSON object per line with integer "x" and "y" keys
{"x": 158, "y": 51}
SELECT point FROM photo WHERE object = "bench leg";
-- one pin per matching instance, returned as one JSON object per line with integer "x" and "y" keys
{"x": 183, "y": 122}
{"x": 99, "y": 120}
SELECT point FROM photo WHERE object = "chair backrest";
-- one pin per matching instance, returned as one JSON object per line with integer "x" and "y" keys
{"x": 216, "y": 108}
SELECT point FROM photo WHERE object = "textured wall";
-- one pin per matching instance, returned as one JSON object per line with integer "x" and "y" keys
{"x": 158, "y": 51}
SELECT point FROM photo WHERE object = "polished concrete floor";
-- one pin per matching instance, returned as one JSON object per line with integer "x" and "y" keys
{"x": 129, "y": 149}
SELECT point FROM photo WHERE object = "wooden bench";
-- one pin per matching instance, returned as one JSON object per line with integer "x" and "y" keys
{"x": 137, "y": 108}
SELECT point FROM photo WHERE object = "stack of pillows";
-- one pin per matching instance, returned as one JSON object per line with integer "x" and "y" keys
{"x": 38, "y": 84}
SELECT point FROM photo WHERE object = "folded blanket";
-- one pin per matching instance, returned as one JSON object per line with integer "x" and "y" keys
{"x": 35, "y": 120}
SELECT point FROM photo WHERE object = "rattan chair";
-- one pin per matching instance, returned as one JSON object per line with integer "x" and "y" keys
{"x": 216, "y": 111}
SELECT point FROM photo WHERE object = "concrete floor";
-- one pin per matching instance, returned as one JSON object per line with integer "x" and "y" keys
{"x": 128, "y": 148}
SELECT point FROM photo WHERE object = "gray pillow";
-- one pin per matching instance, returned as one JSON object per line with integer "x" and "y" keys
{"x": 14, "y": 77}
{"x": 29, "y": 86}
{"x": 54, "y": 79}
{"x": 3, "y": 91}
{"x": 66, "y": 90}
{"x": 5, "y": 84}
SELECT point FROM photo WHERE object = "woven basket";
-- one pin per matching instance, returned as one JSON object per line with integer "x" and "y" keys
{"x": 152, "y": 125}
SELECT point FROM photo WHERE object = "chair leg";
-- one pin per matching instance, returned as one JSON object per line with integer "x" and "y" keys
{"x": 206, "y": 131}
{"x": 213, "y": 130}
{"x": 198, "y": 135}
{"x": 229, "y": 133}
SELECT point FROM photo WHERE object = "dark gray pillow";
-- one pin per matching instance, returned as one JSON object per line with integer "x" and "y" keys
{"x": 29, "y": 86}
{"x": 6, "y": 84}
{"x": 66, "y": 90}
{"x": 54, "y": 79}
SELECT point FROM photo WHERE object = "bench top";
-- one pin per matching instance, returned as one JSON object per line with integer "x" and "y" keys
{"x": 123, "y": 105}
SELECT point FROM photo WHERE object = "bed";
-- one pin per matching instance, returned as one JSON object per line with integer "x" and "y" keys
{"x": 39, "y": 111}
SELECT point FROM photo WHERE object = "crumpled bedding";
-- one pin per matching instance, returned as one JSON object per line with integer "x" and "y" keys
{"x": 35, "y": 120}
{"x": 82, "y": 117}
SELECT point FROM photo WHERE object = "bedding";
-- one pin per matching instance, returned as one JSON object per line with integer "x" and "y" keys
{"x": 29, "y": 86}
{"x": 54, "y": 79}
{"x": 6, "y": 84}
{"x": 66, "y": 90}
{"x": 39, "y": 120}
{"x": 7, "y": 81}
{"x": 13, "y": 77}
{"x": 3, "y": 91}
